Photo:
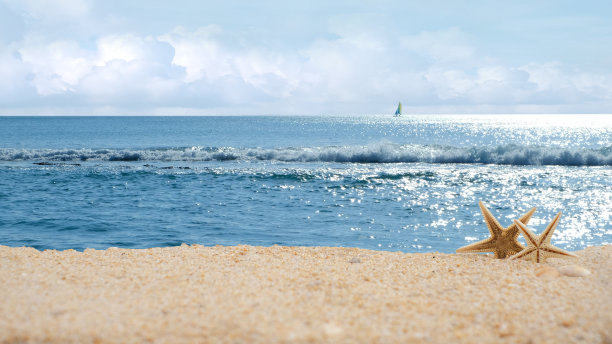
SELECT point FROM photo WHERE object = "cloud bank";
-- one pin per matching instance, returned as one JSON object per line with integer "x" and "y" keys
{"x": 355, "y": 69}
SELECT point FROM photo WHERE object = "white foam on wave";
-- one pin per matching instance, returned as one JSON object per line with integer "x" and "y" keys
{"x": 383, "y": 152}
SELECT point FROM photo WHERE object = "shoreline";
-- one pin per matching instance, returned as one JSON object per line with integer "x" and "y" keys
{"x": 300, "y": 294}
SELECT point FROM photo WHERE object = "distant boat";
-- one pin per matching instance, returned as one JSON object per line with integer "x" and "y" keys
{"x": 398, "y": 112}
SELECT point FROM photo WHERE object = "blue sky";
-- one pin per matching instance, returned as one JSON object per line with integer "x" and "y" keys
{"x": 300, "y": 58}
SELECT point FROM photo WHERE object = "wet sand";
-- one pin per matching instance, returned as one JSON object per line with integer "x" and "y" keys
{"x": 247, "y": 294}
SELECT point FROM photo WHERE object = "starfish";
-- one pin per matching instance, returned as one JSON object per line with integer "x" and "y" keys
{"x": 538, "y": 246}
{"x": 503, "y": 241}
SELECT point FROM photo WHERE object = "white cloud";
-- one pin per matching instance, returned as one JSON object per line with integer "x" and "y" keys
{"x": 199, "y": 53}
{"x": 206, "y": 60}
{"x": 14, "y": 86}
{"x": 358, "y": 71}
{"x": 57, "y": 67}
{"x": 128, "y": 83}
{"x": 125, "y": 47}
{"x": 501, "y": 85}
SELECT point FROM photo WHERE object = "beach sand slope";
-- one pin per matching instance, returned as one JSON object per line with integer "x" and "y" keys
{"x": 247, "y": 294}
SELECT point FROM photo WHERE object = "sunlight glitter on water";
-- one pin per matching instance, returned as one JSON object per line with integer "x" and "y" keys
{"x": 411, "y": 183}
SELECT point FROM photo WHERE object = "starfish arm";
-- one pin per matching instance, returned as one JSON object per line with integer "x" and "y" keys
{"x": 513, "y": 231}
{"x": 547, "y": 234}
{"x": 494, "y": 227}
{"x": 511, "y": 248}
{"x": 481, "y": 246}
{"x": 530, "y": 238}
{"x": 550, "y": 251}
{"x": 525, "y": 218}
{"x": 528, "y": 253}
{"x": 539, "y": 247}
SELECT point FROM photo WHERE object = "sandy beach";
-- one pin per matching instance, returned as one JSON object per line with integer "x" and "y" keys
{"x": 247, "y": 294}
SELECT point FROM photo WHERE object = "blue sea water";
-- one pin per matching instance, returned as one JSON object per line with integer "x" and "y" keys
{"x": 410, "y": 183}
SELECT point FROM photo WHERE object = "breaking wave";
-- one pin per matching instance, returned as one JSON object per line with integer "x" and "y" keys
{"x": 374, "y": 153}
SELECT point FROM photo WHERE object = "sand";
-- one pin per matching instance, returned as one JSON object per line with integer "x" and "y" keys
{"x": 247, "y": 294}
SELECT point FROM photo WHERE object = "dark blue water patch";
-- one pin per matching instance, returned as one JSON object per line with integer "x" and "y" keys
{"x": 125, "y": 244}
{"x": 66, "y": 228}
{"x": 128, "y": 156}
{"x": 412, "y": 175}
{"x": 97, "y": 229}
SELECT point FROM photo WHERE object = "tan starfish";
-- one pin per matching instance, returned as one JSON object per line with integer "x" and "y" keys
{"x": 503, "y": 241}
{"x": 538, "y": 246}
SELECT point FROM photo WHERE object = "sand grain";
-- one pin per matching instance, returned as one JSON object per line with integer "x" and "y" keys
{"x": 299, "y": 294}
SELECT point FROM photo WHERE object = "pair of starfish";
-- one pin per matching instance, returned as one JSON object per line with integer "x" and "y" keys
{"x": 503, "y": 241}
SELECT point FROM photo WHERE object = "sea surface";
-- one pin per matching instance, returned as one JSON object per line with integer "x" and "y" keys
{"x": 407, "y": 184}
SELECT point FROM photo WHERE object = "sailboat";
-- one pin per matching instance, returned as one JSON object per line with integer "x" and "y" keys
{"x": 398, "y": 112}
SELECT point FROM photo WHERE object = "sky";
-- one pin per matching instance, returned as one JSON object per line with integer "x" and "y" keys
{"x": 268, "y": 57}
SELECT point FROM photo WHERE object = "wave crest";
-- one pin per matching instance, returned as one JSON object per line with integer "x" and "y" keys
{"x": 374, "y": 153}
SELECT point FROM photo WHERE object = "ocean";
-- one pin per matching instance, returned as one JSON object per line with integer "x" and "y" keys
{"x": 409, "y": 183}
